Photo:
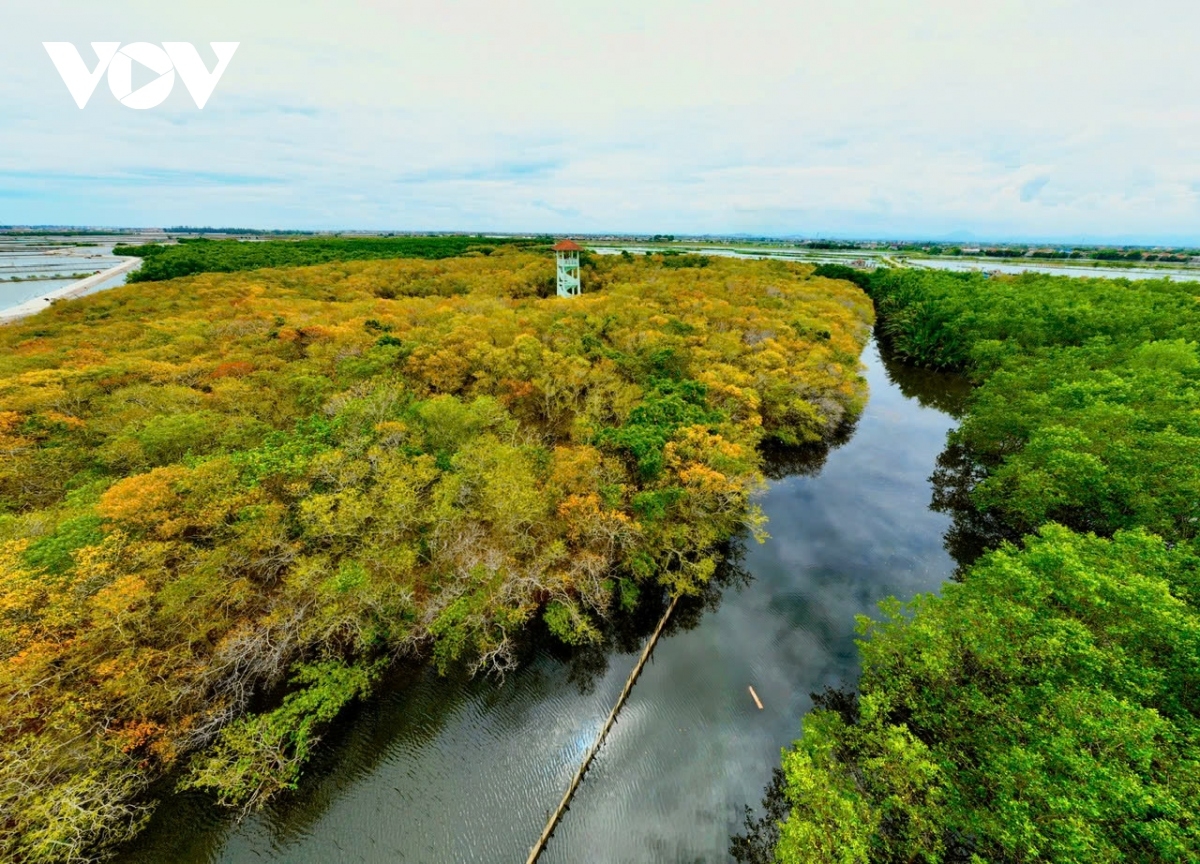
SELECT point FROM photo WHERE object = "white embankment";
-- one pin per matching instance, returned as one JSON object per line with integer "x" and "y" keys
{"x": 75, "y": 289}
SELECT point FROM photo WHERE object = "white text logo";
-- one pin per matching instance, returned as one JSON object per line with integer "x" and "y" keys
{"x": 165, "y": 61}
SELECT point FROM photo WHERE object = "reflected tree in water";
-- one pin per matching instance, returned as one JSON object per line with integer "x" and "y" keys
{"x": 760, "y": 832}
{"x": 781, "y": 461}
{"x": 625, "y": 633}
{"x": 973, "y": 531}
{"x": 947, "y": 392}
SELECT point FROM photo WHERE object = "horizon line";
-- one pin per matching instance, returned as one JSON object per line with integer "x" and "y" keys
{"x": 948, "y": 239}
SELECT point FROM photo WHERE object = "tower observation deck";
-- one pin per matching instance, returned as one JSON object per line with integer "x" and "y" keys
{"x": 567, "y": 254}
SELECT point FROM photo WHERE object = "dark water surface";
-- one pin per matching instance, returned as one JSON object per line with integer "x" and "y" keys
{"x": 455, "y": 770}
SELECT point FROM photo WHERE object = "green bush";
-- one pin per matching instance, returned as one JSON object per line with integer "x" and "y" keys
{"x": 1048, "y": 707}
{"x": 227, "y": 256}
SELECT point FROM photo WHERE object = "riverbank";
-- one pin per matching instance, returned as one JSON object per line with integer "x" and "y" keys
{"x": 456, "y": 769}
{"x": 75, "y": 289}
{"x": 293, "y": 476}
{"x": 1045, "y": 702}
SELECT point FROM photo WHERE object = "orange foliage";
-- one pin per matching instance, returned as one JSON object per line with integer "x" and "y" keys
{"x": 234, "y": 472}
{"x": 233, "y": 369}
{"x": 145, "y": 501}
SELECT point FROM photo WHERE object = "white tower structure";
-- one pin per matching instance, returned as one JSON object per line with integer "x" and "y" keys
{"x": 567, "y": 253}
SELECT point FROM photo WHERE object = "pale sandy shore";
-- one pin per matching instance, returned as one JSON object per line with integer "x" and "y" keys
{"x": 75, "y": 289}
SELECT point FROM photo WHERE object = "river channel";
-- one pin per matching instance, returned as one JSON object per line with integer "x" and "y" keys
{"x": 465, "y": 770}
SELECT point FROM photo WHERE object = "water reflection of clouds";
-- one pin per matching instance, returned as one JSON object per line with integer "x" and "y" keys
{"x": 841, "y": 541}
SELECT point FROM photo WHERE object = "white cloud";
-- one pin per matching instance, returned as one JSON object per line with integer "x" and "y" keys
{"x": 1052, "y": 118}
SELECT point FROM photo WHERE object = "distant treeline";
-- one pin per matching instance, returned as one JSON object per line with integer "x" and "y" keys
{"x": 189, "y": 257}
{"x": 208, "y": 229}
{"x": 1180, "y": 257}
{"x": 830, "y": 244}
{"x": 1046, "y": 706}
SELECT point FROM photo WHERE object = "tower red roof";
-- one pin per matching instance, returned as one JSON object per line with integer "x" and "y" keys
{"x": 567, "y": 246}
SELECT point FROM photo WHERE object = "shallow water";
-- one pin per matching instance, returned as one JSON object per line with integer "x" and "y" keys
{"x": 1082, "y": 271}
{"x": 456, "y": 770}
{"x": 16, "y": 293}
{"x": 872, "y": 258}
{"x": 54, "y": 267}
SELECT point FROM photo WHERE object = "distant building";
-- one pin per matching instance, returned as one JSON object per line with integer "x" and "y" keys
{"x": 567, "y": 254}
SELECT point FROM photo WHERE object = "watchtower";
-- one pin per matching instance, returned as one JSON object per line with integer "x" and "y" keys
{"x": 567, "y": 253}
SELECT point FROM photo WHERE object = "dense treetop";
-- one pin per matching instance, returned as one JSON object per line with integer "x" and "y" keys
{"x": 1047, "y": 708}
{"x": 225, "y": 486}
{"x": 973, "y": 321}
{"x": 1087, "y": 410}
{"x": 188, "y": 257}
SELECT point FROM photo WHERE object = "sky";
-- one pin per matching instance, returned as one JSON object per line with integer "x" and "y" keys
{"x": 1051, "y": 120}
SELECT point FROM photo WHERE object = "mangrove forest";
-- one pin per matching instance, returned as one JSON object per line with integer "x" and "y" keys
{"x": 230, "y": 501}
{"x": 1045, "y": 706}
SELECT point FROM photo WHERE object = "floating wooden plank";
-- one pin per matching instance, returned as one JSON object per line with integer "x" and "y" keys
{"x": 540, "y": 846}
